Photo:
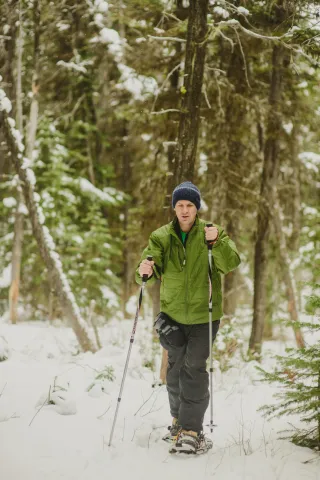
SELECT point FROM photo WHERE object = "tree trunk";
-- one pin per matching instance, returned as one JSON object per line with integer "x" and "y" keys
{"x": 34, "y": 109}
{"x": 296, "y": 197}
{"x": 226, "y": 199}
{"x": 16, "y": 261}
{"x": 269, "y": 180}
{"x": 58, "y": 280}
{"x": 10, "y": 17}
{"x": 186, "y": 148}
{"x": 18, "y": 226}
{"x": 288, "y": 276}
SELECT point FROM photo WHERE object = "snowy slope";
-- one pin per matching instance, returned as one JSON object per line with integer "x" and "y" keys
{"x": 69, "y": 441}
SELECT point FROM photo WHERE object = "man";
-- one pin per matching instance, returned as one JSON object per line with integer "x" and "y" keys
{"x": 180, "y": 260}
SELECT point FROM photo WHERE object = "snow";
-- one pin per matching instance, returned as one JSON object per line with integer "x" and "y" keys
{"x": 62, "y": 26}
{"x": 310, "y": 211}
{"x": 203, "y": 166}
{"x": 68, "y": 438}
{"x": 5, "y": 104}
{"x": 311, "y": 160}
{"x": 88, "y": 187}
{"x": 31, "y": 176}
{"x": 4, "y": 351}
{"x": 108, "y": 294}
{"x": 109, "y": 35}
{"x": 23, "y": 209}
{"x": 112, "y": 38}
{"x": 309, "y": 247}
{"x": 72, "y": 66}
{"x": 99, "y": 20}
{"x": 287, "y": 127}
{"x": 146, "y": 137}
{"x": 221, "y": 12}
{"x": 9, "y": 202}
{"x": 98, "y": 6}
{"x": 138, "y": 85}
{"x": 5, "y": 277}
{"x": 243, "y": 11}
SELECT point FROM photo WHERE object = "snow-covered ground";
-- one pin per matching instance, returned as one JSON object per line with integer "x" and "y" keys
{"x": 69, "y": 440}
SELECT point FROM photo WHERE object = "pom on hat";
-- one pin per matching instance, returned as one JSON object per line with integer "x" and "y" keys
{"x": 186, "y": 191}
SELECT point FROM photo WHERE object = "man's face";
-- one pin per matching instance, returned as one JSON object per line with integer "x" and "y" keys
{"x": 186, "y": 212}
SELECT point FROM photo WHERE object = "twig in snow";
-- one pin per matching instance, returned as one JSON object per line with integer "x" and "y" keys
{"x": 9, "y": 418}
{"x": 151, "y": 411}
{"x": 100, "y": 416}
{"x": 134, "y": 432}
{"x": 124, "y": 426}
{"x": 149, "y": 438}
{"x": 145, "y": 402}
{"x": 46, "y": 401}
{"x": 3, "y": 389}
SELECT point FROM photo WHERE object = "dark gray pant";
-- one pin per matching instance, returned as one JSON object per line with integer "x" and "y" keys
{"x": 187, "y": 377}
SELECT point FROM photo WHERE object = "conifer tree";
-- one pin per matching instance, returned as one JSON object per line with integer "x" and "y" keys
{"x": 298, "y": 375}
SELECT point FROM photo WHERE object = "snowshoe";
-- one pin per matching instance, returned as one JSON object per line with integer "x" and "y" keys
{"x": 191, "y": 443}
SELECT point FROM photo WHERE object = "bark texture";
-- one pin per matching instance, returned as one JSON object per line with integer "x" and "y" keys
{"x": 18, "y": 224}
{"x": 268, "y": 183}
{"x": 287, "y": 274}
{"x": 191, "y": 91}
{"x": 16, "y": 263}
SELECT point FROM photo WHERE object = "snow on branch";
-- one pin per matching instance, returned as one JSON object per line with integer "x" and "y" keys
{"x": 235, "y": 24}
{"x": 108, "y": 195}
{"x": 45, "y": 241}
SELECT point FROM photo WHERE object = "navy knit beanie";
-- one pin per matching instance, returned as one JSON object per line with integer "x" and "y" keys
{"x": 186, "y": 191}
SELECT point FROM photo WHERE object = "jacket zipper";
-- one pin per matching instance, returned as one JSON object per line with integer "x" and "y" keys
{"x": 183, "y": 265}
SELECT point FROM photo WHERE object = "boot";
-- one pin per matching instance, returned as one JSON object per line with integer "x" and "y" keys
{"x": 174, "y": 429}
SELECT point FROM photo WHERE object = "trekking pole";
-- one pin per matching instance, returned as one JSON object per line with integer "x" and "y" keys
{"x": 144, "y": 281}
{"x": 210, "y": 244}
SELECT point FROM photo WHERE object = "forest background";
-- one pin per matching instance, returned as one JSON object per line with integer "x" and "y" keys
{"x": 99, "y": 91}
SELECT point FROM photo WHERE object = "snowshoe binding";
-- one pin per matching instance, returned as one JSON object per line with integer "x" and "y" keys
{"x": 174, "y": 430}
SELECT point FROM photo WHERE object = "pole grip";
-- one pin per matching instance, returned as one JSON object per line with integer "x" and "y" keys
{"x": 145, "y": 277}
{"x": 210, "y": 243}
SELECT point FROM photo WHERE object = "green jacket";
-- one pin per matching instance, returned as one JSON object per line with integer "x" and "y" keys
{"x": 184, "y": 271}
